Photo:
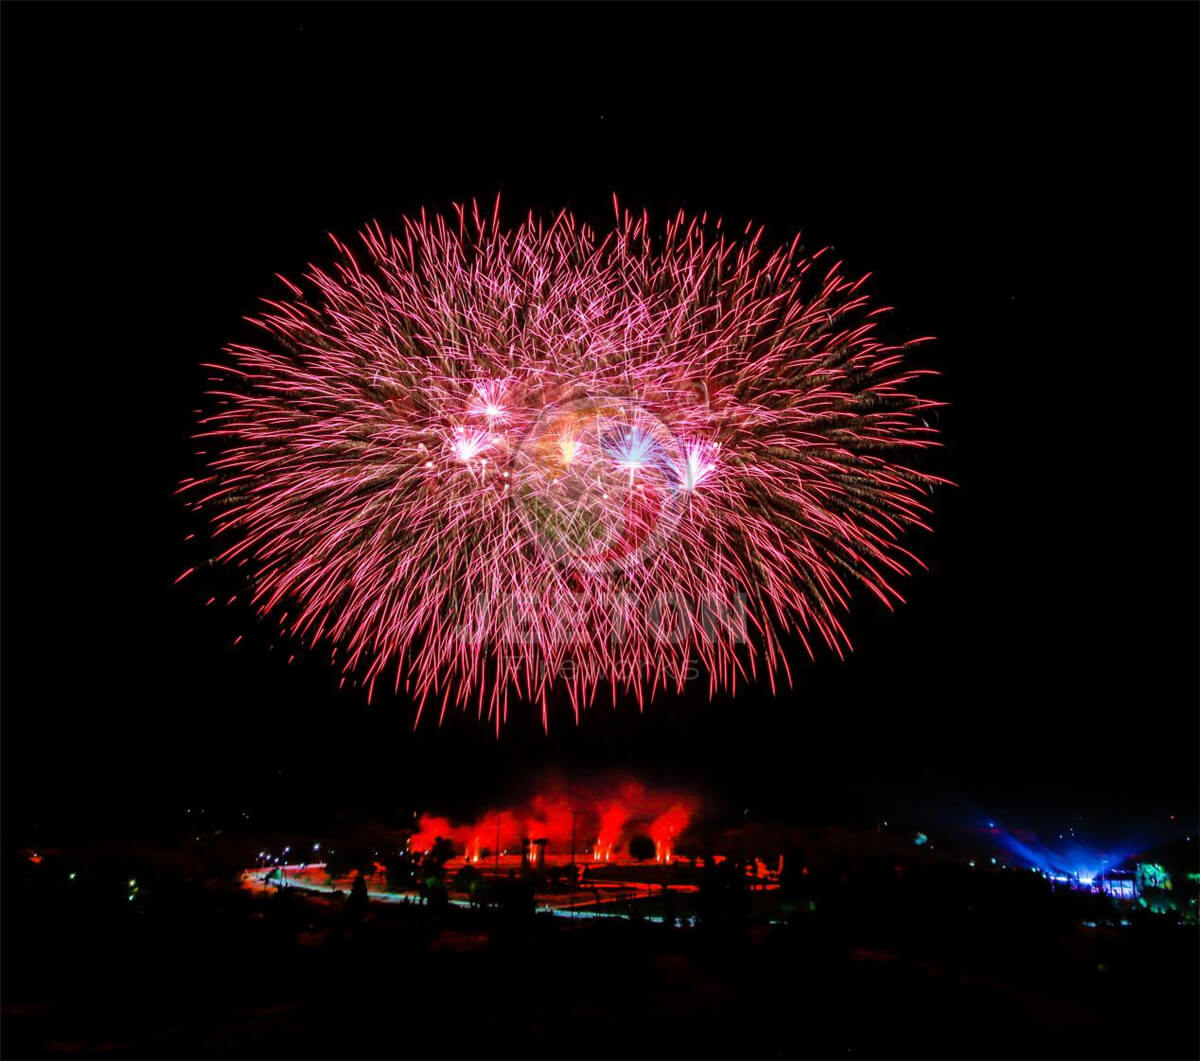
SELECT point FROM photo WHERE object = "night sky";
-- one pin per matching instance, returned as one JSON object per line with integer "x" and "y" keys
{"x": 1021, "y": 181}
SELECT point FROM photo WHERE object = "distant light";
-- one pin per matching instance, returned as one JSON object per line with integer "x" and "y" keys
{"x": 133, "y": 884}
{"x": 71, "y": 877}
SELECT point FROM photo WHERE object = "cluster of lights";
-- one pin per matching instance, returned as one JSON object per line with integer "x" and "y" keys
{"x": 269, "y": 858}
{"x": 570, "y": 441}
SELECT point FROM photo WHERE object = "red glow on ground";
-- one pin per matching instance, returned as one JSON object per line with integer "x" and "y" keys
{"x": 598, "y": 824}
{"x": 666, "y": 828}
{"x": 612, "y": 821}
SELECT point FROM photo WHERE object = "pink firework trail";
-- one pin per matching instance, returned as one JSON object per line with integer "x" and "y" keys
{"x": 493, "y": 463}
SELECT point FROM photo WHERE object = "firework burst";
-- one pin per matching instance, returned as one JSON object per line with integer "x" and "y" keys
{"x": 489, "y": 463}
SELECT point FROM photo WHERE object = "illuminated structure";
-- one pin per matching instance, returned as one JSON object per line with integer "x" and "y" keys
{"x": 1117, "y": 884}
{"x": 533, "y": 854}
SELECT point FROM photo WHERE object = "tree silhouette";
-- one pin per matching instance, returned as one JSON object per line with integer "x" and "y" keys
{"x": 641, "y": 848}
{"x": 356, "y": 904}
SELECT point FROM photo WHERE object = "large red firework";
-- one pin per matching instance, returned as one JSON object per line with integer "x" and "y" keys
{"x": 492, "y": 463}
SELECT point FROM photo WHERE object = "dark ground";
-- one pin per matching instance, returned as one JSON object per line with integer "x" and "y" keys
{"x": 938, "y": 967}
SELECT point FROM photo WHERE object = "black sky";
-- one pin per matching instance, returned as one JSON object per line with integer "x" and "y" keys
{"x": 1021, "y": 180}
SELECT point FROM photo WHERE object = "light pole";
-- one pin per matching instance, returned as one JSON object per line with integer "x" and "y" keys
{"x": 496, "y": 863}
{"x": 571, "y": 871}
